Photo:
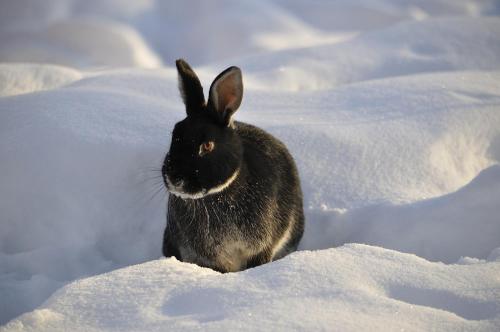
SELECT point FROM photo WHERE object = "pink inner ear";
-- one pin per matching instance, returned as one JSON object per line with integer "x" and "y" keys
{"x": 230, "y": 101}
{"x": 227, "y": 95}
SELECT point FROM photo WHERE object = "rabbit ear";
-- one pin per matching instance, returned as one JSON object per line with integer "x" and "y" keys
{"x": 226, "y": 93}
{"x": 189, "y": 87}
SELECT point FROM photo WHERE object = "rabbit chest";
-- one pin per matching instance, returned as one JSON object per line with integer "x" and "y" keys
{"x": 217, "y": 233}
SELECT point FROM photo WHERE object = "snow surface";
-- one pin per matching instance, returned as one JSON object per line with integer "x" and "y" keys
{"x": 349, "y": 288}
{"x": 391, "y": 109}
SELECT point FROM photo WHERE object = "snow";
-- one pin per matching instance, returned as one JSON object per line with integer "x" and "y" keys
{"x": 80, "y": 42}
{"x": 403, "y": 49}
{"x": 390, "y": 108}
{"x": 25, "y": 78}
{"x": 346, "y": 289}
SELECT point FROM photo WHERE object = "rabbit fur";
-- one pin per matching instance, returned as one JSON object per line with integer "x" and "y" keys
{"x": 235, "y": 199}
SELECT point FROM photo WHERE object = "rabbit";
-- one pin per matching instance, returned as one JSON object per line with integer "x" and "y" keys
{"x": 235, "y": 200}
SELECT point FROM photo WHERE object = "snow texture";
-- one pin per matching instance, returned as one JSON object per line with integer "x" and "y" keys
{"x": 390, "y": 108}
{"x": 354, "y": 287}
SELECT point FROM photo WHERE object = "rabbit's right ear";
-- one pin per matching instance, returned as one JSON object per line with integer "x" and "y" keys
{"x": 190, "y": 87}
{"x": 226, "y": 93}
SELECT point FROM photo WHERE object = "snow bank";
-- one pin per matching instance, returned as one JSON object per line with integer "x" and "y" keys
{"x": 95, "y": 33}
{"x": 97, "y": 144}
{"x": 403, "y": 49}
{"x": 461, "y": 224}
{"x": 368, "y": 15}
{"x": 79, "y": 43}
{"x": 78, "y": 32}
{"x": 25, "y": 78}
{"x": 391, "y": 109}
{"x": 394, "y": 140}
{"x": 351, "y": 288}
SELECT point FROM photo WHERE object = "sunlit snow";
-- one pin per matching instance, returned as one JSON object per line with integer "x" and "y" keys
{"x": 390, "y": 108}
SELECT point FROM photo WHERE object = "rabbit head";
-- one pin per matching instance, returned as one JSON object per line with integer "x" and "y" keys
{"x": 205, "y": 153}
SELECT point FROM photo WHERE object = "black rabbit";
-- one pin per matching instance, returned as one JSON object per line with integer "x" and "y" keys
{"x": 235, "y": 199}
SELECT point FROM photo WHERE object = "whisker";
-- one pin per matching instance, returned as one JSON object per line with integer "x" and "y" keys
{"x": 157, "y": 191}
{"x": 159, "y": 177}
{"x": 208, "y": 217}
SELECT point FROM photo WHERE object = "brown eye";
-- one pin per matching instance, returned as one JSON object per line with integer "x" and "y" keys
{"x": 206, "y": 147}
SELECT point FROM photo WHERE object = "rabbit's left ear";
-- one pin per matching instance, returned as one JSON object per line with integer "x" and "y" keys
{"x": 226, "y": 93}
{"x": 189, "y": 87}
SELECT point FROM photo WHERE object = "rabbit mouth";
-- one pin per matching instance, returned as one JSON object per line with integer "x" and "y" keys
{"x": 178, "y": 190}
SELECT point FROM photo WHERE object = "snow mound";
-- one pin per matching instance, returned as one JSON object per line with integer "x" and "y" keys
{"x": 370, "y": 15}
{"x": 200, "y": 29}
{"x": 393, "y": 140}
{"x": 81, "y": 42}
{"x": 95, "y": 33}
{"x": 447, "y": 228}
{"x": 98, "y": 143}
{"x": 351, "y": 288}
{"x": 403, "y": 49}
{"x": 26, "y": 78}
{"x": 390, "y": 108}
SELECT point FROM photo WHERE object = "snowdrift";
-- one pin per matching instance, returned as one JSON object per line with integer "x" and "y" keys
{"x": 351, "y": 288}
{"x": 393, "y": 117}
{"x": 97, "y": 144}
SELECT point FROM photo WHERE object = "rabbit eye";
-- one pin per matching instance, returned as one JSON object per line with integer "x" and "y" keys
{"x": 206, "y": 147}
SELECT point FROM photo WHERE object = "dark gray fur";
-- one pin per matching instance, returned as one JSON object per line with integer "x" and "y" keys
{"x": 259, "y": 216}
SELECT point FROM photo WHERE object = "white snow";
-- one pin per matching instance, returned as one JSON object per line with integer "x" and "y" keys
{"x": 351, "y": 288}
{"x": 22, "y": 78}
{"x": 390, "y": 108}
